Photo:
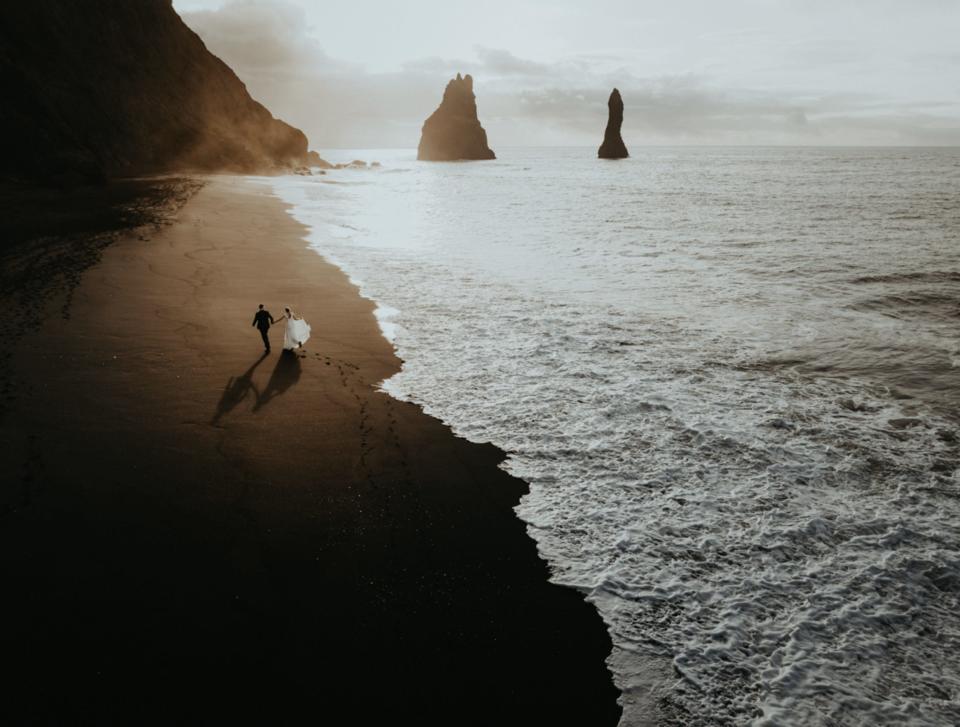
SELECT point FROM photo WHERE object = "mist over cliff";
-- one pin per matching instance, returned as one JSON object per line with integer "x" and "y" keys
{"x": 105, "y": 88}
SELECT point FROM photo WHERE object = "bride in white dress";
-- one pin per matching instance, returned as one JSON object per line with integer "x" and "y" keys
{"x": 298, "y": 330}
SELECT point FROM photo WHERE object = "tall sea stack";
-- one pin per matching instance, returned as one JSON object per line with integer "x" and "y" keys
{"x": 613, "y": 146}
{"x": 106, "y": 88}
{"x": 453, "y": 131}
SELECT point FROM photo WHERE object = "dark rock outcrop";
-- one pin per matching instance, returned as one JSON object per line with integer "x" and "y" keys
{"x": 453, "y": 131}
{"x": 105, "y": 88}
{"x": 613, "y": 146}
{"x": 315, "y": 160}
{"x": 355, "y": 164}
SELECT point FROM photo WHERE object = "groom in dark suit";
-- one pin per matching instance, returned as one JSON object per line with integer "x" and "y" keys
{"x": 262, "y": 320}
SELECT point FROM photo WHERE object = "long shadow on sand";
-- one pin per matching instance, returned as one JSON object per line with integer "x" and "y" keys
{"x": 236, "y": 390}
{"x": 285, "y": 374}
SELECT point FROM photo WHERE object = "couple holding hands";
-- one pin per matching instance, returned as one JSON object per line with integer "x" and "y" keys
{"x": 297, "y": 330}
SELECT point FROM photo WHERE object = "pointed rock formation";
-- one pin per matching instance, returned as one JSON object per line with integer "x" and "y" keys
{"x": 453, "y": 131}
{"x": 613, "y": 146}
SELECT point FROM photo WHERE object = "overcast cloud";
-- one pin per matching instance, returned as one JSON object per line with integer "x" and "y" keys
{"x": 766, "y": 72}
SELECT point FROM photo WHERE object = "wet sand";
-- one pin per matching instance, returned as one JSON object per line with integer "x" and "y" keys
{"x": 191, "y": 531}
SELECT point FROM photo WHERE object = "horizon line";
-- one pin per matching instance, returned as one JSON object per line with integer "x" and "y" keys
{"x": 668, "y": 146}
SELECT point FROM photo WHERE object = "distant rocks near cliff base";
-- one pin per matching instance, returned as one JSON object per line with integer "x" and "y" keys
{"x": 357, "y": 164}
{"x": 317, "y": 165}
{"x": 315, "y": 160}
{"x": 613, "y": 146}
{"x": 453, "y": 131}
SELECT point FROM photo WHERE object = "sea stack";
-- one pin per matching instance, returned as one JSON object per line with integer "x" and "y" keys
{"x": 453, "y": 131}
{"x": 613, "y": 146}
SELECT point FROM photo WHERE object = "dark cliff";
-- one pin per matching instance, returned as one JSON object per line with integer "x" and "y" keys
{"x": 453, "y": 131}
{"x": 613, "y": 146}
{"x": 104, "y": 88}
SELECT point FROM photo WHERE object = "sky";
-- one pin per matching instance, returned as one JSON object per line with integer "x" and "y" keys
{"x": 366, "y": 74}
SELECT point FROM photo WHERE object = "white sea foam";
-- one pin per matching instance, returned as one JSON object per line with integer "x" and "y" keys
{"x": 386, "y": 319}
{"x": 730, "y": 379}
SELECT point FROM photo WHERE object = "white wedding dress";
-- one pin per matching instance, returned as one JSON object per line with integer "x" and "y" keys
{"x": 297, "y": 333}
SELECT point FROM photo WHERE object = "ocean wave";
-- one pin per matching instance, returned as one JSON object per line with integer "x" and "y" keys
{"x": 932, "y": 276}
{"x": 749, "y": 469}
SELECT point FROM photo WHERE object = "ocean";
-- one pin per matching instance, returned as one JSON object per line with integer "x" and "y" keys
{"x": 731, "y": 377}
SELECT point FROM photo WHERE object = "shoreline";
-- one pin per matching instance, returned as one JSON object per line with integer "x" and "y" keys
{"x": 204, "y": 523}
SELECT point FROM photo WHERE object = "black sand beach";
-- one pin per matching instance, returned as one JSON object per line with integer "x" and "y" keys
{"x": 193, "y": 532}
